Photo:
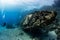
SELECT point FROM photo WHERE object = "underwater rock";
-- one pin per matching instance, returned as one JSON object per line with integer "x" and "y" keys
{"x": 21, "y": 33}
{"x": 3, "y": 24}
{"x": 35, "y": 22}
{"x": 9, "y": 26}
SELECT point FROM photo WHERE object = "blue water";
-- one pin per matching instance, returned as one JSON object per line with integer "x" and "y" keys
{"x": 14, "y": 13}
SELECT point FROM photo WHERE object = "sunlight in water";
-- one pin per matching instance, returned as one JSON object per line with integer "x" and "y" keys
{"x": 22, "y": 6}
{"x": 5, "y": 2}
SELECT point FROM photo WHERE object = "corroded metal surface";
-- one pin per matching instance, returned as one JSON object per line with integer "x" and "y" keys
{"x": 33, "y": 23}
{"x": 39, "y": 19}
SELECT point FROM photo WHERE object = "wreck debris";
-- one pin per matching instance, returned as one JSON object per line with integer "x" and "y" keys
{"x": 38, "y": 21}
{"x": 39, "y": 18}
